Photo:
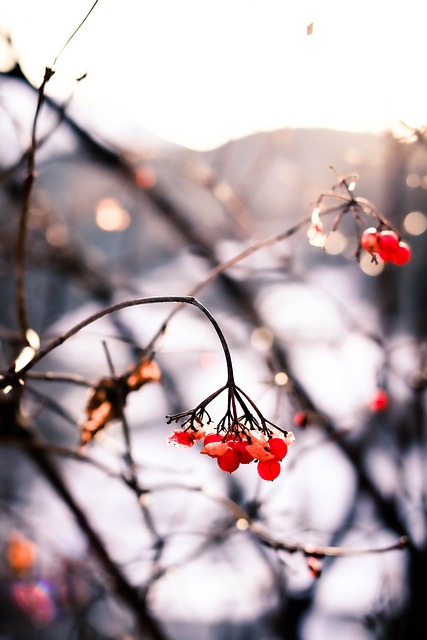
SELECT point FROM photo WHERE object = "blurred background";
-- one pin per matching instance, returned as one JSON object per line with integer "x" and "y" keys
{"x": 200, "y": 130}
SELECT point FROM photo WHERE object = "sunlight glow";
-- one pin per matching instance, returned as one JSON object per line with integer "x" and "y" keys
{"x": 199, "y": 74}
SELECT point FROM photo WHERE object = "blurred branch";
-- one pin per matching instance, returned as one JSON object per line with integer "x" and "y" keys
{"x": 12, "y": 423}
{"x": 244, "y": 522}
{"x": 23, "y": 219}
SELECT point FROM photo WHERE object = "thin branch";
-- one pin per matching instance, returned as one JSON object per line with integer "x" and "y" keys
{"x": 259, "y": 531}
{"x": 75, "y": 31}
{"x": 56, "y": 342}
{"x": 238, "y": 512}
{"x": 127, "y": 592}
{"x": 320, "y": 551}
{"x": 53, "y": 376}
{"x": 61, "y": 451}
{"x": 23, "y": 219}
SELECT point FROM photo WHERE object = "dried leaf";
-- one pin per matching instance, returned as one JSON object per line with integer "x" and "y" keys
{"x": 104, "y": 405}
{"x": 145, "y": 371}
{"x": 108, "y": 398}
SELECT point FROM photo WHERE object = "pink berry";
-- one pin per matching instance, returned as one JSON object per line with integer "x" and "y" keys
{"x": 370, "y": 240}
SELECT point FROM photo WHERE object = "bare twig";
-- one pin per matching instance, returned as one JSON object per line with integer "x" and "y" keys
{"x": 75, "y": 31}
{"x": 23, "y": 220}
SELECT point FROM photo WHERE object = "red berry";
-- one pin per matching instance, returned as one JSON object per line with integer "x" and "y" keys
{"x": 379, "y": 400}
{"x": 212, "y": 437}
{"x": 388, "y": 238}
{"x": 244, "y": 457}
{"x": 402, "y": 254}
{"x": 181, "y": 438}
{"x": 301, "y": 419}
{"x": 229, "y": 462}
{"x": 269, "y": 470}
{"x": 370, "y": 240}
{"x": 278, "y": 447}
{"x": 388, "y": 244}
{"x": 214, "y": 446}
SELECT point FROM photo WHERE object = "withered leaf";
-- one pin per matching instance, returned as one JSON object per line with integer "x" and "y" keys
{"x": 105, "y": 404}
{"x": 146, "y": 371}
{"x": 108, "y": 398}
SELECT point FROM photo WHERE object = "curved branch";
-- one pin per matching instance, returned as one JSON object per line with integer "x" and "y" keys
{"x": 56, "y": 342}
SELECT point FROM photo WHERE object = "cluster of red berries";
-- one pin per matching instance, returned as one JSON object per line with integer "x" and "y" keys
{"x": 386, "y": 244}
{"x": 233, "y": 449}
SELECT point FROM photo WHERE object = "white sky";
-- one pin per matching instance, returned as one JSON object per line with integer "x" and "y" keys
{"x": 199, "y": 72}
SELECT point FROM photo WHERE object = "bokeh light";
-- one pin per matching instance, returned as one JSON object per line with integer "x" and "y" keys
{"x": 111, "y": 216}
{"x": 415, "y": 223}
{"x": 369, "y": 266}
{"x": 262, "y": 339}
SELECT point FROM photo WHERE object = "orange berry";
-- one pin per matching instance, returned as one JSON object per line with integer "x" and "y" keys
{"x": 370, "y": 240}
{"x": 20, "y": 554}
